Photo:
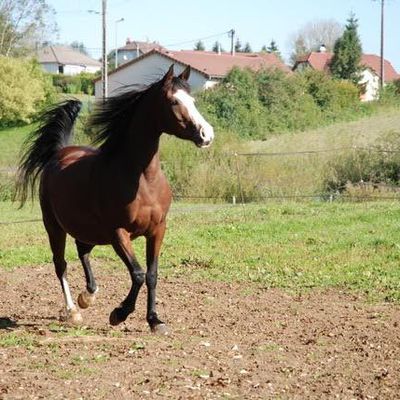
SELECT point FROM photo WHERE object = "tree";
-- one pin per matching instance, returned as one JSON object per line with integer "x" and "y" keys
{"x": 238, "y": 46}
{"x": 347, "y": 53}
{"x": 199, "y": 46}
{"x": 24, "y": 24}
{"x": 217, "y": 47}
{"x": 247, "y": 48}
{"x": 24, "y": 89}
{"x": 273, "y": 49}
{"x": 264, "y": 49}
{"x": 79, "y": 46}
{"x": 312, "y": 35}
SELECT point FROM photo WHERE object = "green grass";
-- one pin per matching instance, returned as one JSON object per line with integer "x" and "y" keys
{"x": 296, "y": 246}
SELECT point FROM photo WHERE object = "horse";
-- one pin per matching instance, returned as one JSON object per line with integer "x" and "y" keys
{"x": 114, "y": 192}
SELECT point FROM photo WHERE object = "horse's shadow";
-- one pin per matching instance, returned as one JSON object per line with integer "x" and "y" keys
{"x": 7, "y": 323}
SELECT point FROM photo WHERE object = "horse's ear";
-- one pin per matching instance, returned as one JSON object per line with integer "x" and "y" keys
{"x": 169, "y": 75}
{"x": 185, "y": 74}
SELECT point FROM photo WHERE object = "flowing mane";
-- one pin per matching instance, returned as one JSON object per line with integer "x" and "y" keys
{"x": 112, "y": 118}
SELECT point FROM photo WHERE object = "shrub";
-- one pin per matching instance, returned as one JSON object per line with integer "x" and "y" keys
{"x": 375, "y": 166}
{"x": 255, "y": 104}
{"x": 76, "y": 84}
{"x": 24, "y": 89}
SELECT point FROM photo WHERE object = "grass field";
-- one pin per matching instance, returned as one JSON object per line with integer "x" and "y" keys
{"x": 290, "y": 245}
{"x": 296, "y": 246}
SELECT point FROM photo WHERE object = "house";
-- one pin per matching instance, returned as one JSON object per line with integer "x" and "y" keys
{"x": 134, "y": 49}
{"x": 208, "y": 68}
{"x": 66, "y": 60}
{"x": 370, "y": 74}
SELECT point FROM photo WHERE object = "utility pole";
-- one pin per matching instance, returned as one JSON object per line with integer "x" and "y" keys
{"x": 231, "y": 34}
{"x": 104, "y": 72}
{"x": 382, "y": 80}
{"x": 116, "y": 40}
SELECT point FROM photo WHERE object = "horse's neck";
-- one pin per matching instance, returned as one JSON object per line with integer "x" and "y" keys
{"x": 139, "y": 155}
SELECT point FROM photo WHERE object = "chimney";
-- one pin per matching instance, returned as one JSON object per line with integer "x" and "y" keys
{"x": 322, "y": 48}
{"x": 128, "y": 41}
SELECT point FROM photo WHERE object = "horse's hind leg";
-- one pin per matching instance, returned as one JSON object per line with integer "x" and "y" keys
{"x": 57, "y": 238}
{"x": 86, "y": 298}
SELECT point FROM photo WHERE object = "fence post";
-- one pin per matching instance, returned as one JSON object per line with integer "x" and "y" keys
{"x": 240, "y": 184}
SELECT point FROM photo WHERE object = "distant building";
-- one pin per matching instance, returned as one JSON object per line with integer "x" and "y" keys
{"x": 370, "y": 74}
{"x": 208, "y": 68}
{"x": 134, "y": 49}
{"x": 66, "y": 60}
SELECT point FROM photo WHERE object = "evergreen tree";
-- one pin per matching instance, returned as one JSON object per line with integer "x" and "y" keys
{"x": 264, "y": 49}
{"x": 347, "y": 53}
{"x": 238, "y": 46}
{"x": 273, "y": 48}
{"x": 79, "y": 46}
{"x": 199, "y": 46}
{"x": 300, "y": 49}
{"x": 247, "y": 48}
{"x": 217, "y": 47}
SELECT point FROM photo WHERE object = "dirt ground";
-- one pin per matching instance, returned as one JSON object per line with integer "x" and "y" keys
{"x": 226, "y": 341}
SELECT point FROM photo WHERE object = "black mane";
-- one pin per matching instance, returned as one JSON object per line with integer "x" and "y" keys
{"x": 111, "y": 118}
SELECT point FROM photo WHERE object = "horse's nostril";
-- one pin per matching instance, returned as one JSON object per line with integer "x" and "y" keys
{"x": 202, "y": 134}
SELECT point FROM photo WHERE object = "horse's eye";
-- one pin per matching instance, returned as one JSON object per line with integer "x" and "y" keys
{"x": 174, "y": 102}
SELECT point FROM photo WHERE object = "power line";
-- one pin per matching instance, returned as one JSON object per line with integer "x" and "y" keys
{"x": 196, "y": 40}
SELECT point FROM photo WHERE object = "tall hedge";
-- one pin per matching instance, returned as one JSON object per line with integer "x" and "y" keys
{"x": 24, "y": 90}
{"x": 255, "y": 104}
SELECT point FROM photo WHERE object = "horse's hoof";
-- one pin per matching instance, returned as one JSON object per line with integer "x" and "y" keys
{"x": 86, "y": 299}
{"x": 160, "y": 329}
{"x": 116, "y": 317}
{"x": 73, "y": 317}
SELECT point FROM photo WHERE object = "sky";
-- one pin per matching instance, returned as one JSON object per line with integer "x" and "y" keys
{"x": 177, "y": 24}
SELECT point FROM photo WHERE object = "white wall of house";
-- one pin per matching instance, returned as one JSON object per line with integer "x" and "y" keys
{"x": 146, "y": 71}
{"x": 53, "y": 68}
{"x": 371, "y": 82}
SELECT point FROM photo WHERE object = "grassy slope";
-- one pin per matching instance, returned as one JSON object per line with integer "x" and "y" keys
{"x": 290, "y": 245}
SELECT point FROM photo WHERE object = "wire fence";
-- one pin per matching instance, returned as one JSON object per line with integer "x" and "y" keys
{"x": 240, "y": 198}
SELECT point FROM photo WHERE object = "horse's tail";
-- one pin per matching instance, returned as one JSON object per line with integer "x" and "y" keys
{"x": 53, "y": 133}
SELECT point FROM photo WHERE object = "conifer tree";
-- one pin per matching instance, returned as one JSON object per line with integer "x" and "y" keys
{"x": 199, "y": 46}
{"x": 273, "y": 49}
{"x": 217, "y": 47}
{"x": 238, "y": 46}
{"x": 347, "y": 53}
{"x": 247, "y": 48}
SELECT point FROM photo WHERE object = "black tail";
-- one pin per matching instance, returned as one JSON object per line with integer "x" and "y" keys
{"x": 53, "y": 133}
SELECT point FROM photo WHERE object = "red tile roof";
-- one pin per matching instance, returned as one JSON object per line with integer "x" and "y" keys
{"x": 215, "y": 65}
{"x": 321, "y": 61}
{"x": 374, "y": 62}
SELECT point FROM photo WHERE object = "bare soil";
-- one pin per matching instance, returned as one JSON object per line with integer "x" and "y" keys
{"x": 226, "y": 341}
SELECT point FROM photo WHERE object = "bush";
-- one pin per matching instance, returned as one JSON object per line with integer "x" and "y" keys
{"x": 76, "y": 84}
{"x": 255, "y": 104}
{"x": 24, "y": 89}
{"x": 372, "y": 167}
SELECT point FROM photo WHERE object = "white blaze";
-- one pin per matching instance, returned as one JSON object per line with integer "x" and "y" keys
{"x": 206, "y": 130}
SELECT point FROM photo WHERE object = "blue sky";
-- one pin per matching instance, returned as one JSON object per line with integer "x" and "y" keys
{"x": 256, "y": 21}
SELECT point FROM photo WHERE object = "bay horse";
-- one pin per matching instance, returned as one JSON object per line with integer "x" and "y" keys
{"x": 115, "y": 192}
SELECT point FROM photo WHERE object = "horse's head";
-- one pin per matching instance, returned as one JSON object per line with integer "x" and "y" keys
{"x": 181, "y": 117}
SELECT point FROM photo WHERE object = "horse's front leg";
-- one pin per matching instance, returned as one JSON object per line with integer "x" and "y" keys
{"x": 123, "y": 247}
{"x": 153, "y": 245}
